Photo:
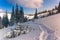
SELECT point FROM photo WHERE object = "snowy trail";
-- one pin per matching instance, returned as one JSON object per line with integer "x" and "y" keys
{"x": 47, "y": 33}
{"x": 43, "y": 34}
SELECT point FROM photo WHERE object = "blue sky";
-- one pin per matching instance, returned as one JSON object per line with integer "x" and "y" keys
{"x": 30, "y": 8}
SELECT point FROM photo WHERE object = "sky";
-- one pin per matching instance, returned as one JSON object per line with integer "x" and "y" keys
{"x": 28, "y": 5}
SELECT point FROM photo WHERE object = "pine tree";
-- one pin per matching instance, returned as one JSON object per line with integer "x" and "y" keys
{"x": 25, "y": 19}
{"x": 59, "y": 8}
{"x": 21, "y": 15}
{"x": 12, "y": 17}
{"x": 50, "y": 13}
{"x": 35, "y": 16}
{"x": 5, "y": 20}
{"x": 1, "y": 26}
{"x": 16, "y": 14}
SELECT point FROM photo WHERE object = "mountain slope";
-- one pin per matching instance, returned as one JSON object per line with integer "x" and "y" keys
{"x": 38, "y": 32}
{"x": 53, "y": 22}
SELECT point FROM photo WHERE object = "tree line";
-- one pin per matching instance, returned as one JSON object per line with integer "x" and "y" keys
{"x": 54, "y": 11}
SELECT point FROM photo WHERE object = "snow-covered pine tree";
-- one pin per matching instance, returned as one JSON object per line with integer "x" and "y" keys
{"x": 1, "y": 26}
{"x": 16, "y": 14}
{"x": 21, "y": 15}
{"x": 35, "y": 16}
{"x": 25, "y": 19}
{"x": 50, "y": 12}
{"x": 59, "y": 8}
{"x": 5, "y": 20}
{"x": 12, "y": 17}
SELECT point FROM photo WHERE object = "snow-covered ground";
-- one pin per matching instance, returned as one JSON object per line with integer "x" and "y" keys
{"x": 47, "y": 28}
{"x": 38, "y": 32}
{"x": 53, "y": 22}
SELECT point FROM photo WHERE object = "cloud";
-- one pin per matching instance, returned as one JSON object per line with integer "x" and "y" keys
{"x": 28, "y": 3}
{"x": 1, "y": 10}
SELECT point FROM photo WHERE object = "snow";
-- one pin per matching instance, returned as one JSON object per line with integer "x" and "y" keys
{"x": 38, "y": 32}
{"x": 30, "y": 36}
{"x": 29, "y": 16}
{"x": 53, "y": 22}
{"x": 40, "y": 29}
{"x": 54, "y": 11}
{"x": 9, "y": 15}
{"x": 1, "y": 15}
